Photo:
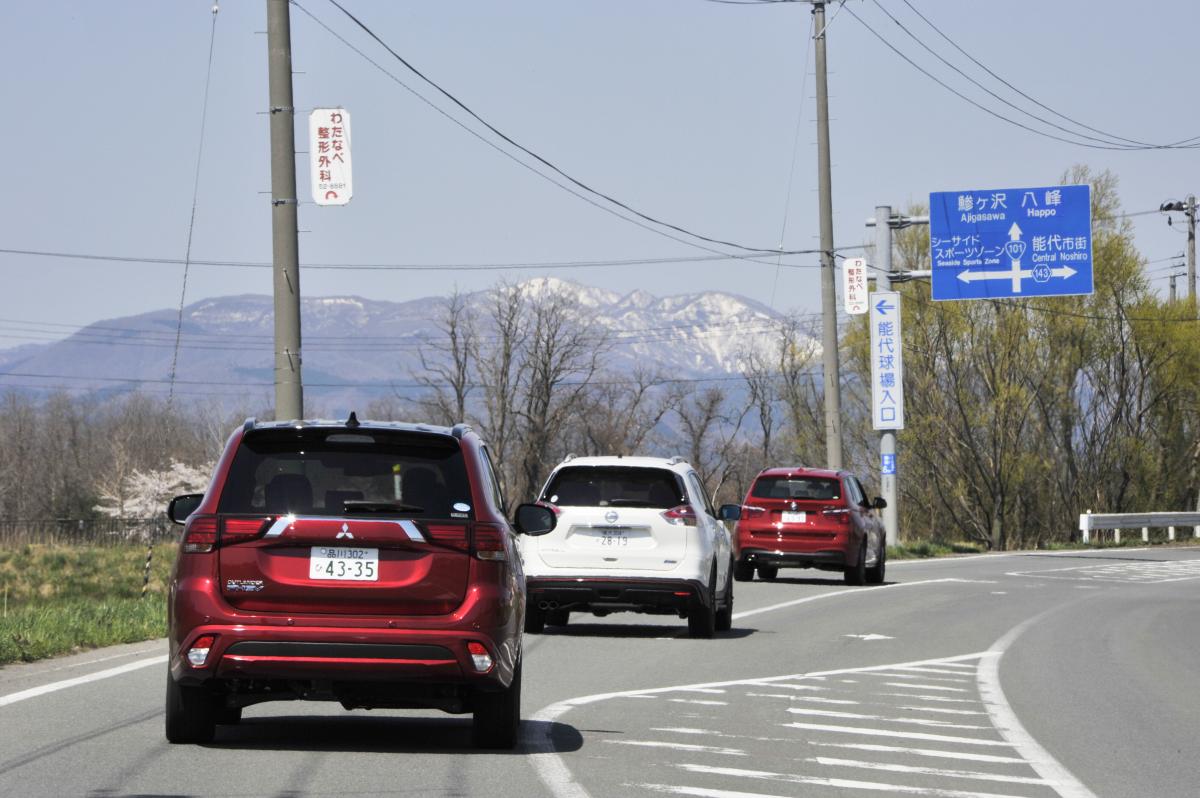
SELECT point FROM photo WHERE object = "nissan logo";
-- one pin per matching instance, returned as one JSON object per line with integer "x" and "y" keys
{"x": 611, "y": 516}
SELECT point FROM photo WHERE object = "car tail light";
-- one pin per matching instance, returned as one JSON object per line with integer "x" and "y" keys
{"x": 480, "y": 657}
{"x": 489, "y": 542}
{"x": 683, "y": 515}
{"x": 839, "y": 515}
{"x": 452, "y": 536}
{"x": 197, "y": 653}
{"x": 240, "y": 530}
{"x": 200, "y": 534}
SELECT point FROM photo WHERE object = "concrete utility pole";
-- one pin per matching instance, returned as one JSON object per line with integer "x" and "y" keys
{"x": 1190, "y": 210}
{"x": 1171, "y": 281}
{"x": 887, "y": 437}
{"x": 289, "y": 391}
{"x": 829, "y": 330}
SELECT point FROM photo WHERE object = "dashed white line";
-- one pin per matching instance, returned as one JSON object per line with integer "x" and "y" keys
{"x": 691, "y": 748}
{"x": 828, "y": 713}
{"x": 940, "y": 772}
{"x": 933, "y": 753}
{"x": 869, "y": 732}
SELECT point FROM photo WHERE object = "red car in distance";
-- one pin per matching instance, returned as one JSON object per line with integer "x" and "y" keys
{"x": 808, "y": 518}
{"x": 369, "y": 564}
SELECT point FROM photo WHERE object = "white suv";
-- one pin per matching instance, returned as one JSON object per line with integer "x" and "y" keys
{"x": 634, "y": 534}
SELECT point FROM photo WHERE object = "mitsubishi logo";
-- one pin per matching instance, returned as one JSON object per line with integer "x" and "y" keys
{"x": 345, "y": 533}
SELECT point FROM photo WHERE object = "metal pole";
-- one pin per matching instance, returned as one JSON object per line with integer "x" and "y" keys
{"x": 289, "y": 392}
{"x": 829, "y": 332}
{"x": 1171, "y": 283}
{"x": 1191, "y": 249}
{"x": 888, "y": 483}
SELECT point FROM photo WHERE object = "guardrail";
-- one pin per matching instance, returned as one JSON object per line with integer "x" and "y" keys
{"x": 1146, "y": 521}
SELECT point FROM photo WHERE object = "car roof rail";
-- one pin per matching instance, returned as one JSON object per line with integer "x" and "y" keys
{"x": 570, "y": 456}
{"x": 676, "y": 460}
{"x": 460, "y": 429}
{"x": 249, "y": 424}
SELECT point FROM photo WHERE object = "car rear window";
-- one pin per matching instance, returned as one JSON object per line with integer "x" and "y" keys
{"x": 812, "y": 488}
{"x": 317, "y": 471}
{"x": 614, "y": 486}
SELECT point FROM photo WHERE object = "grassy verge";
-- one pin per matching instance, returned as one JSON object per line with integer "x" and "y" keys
{"x": 60, "y": 599}
{"x": 926, "y": 548}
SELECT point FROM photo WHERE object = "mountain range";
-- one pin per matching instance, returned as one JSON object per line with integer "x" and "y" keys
{"x": 358, "y": 349}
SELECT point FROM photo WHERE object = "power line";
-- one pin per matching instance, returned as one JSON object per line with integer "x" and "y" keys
{"x": 978, "y": 105}
{"x": 529, "y": 152}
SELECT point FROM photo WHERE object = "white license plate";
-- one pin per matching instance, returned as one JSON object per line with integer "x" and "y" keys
{"x": 350, "y": 565}
{"x": 613, "y": 537}
{"x": 794, "y": 518}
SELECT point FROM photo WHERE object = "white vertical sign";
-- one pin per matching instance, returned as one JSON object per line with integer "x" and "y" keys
{"x": 854, "y": 285}
{"x": 329, "y": 156}
{"x": 887, "y": 361}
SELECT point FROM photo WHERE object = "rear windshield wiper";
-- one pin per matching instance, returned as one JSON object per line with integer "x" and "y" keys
{"x": 367, "y": 506}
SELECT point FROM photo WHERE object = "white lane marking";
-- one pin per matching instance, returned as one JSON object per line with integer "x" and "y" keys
{"x": 713, "y": 691}
{"x": 941, "y": 711}
{"x": 928, "y": 687}
{"x": 863, "y": 592}
{"x": 789, "y": 686}
{"x": 850, "y": 784}
{"x": 1011, "y": 729}
{"x": 870, "y": 637}
{"x": 828, "y": 713}
{"x": 958, "y": 678}
{"x": 816, "y": 699}
{"x": 869, "y": 732}
{"x": 699, "y": 749}
{"x": 53, "y": 687}
{"x": 940, "y": 772}
{"x": 698, "y": 701}
{"x": 919, "y": 697}
{"x": 948, "y": 671}
{"x": 929, "y": 752}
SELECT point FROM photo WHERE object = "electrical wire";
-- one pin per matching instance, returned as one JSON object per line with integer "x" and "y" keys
{"x": 526, "y": 150}
{"x": 212, "y": 41}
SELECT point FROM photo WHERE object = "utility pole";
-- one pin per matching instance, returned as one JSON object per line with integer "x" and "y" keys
{"x": 1171, "y": 281}
{"x": 829, "y": 330}
{"x": 1190, "y": 210}
{"x": 887, "y": 437}
{"x": 285, "y": 246}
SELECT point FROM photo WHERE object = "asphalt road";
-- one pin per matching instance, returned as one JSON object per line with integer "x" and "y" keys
{"x": 1069, "y": 674}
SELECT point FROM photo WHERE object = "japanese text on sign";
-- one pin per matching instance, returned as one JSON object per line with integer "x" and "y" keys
{"x": 854, "y": 285}
{"x": 329, "y": 156}
{"x": 887, "y": 361}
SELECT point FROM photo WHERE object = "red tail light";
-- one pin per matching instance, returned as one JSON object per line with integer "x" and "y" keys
{"x": 197, "y": 653}
{"x": 839, "y": 515}
{"x": 239, "y": 530}
{"x": 489, "y": 542}
{"x": 480, "y": 657}
{"x": 683, "y": 515}
{"x": 200, "y": 534}
{"x": 452, "y": 536}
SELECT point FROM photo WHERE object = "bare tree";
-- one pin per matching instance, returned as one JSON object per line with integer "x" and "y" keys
{"x": 446, "y": 363}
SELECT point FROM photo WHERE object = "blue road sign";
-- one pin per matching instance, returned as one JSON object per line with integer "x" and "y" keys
{"x": 1014, "y": 242}
{"x": 887, "y": 464}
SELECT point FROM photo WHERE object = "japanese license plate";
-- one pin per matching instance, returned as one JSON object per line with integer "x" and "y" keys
{"x": 794, "y": 518}
{"x": 351, "y": 565}
{"x": 613, "y": 537}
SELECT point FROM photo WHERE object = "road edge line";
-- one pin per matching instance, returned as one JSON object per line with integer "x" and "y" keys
{"x": 53, "y": 687}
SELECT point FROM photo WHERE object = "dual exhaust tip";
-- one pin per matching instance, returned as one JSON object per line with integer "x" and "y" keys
{"x": 547, "y": 605}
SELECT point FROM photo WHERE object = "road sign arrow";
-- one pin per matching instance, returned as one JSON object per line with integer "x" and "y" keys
{"x": 883, "y": 307}
{"x": 1014, "y": 232}
{"x": 968, "y": 276}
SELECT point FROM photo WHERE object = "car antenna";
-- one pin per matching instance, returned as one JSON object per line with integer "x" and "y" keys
{"x": 352, "y": 422}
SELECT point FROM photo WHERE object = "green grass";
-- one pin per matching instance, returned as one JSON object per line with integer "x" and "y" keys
{"x": 61, "y": 599}
{"x": 926, "y": 548}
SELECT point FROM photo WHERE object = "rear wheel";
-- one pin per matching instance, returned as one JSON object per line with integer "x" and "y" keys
{"x": 702, "y": 620}
{"x": 876, "y": 573}
{"x": 857, "y": 574}
{"x": 558, "y": 617}
{"x": 535, "y": 619}
{"x": 768, "y": 572}
{"x": 497, "y": 717}
{"x": 191, "y": 713}
{"x": 724, "y": 618}
{"x": 743, "y": 572}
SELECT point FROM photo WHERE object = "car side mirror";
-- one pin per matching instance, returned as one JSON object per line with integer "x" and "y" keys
{"x": 879, "y": 503}
{"x": 183, "y": 506}
{"x": 534, "y": 519}
{"x": 730, "y": 512}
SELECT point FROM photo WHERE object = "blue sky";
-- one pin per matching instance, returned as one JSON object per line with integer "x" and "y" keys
{"x": 684, "y": 109}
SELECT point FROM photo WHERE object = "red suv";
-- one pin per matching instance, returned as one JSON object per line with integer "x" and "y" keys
{"x": 365, "y": 563}
{"x": 808, "y": 518}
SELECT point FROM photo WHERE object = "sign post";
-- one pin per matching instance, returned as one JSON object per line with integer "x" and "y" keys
{"x": 1016, "y": 242}
{"x": 329, "y": 156}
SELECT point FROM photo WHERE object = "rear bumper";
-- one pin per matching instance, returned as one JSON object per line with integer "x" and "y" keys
{"x": 650, "y": 595}
{"x": 830, "y": 559}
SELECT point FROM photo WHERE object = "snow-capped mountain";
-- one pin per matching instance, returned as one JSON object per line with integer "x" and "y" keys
{"x": 358, "y": 349}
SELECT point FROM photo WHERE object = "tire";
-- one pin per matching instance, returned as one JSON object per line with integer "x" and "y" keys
{"x": 857, "y": 574}
{"x": 558, "y": 617}
{"x": 497, "y": 716}
{"x": 876, "y": 573}
{"x": 535, "y": 619}
{"x": 743, "y": 572}
{"x": 702, "y": 620}
{"x": 768, "y": 572}
{"x": 724, "y": 618}
{"x": 191, "y": 713}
